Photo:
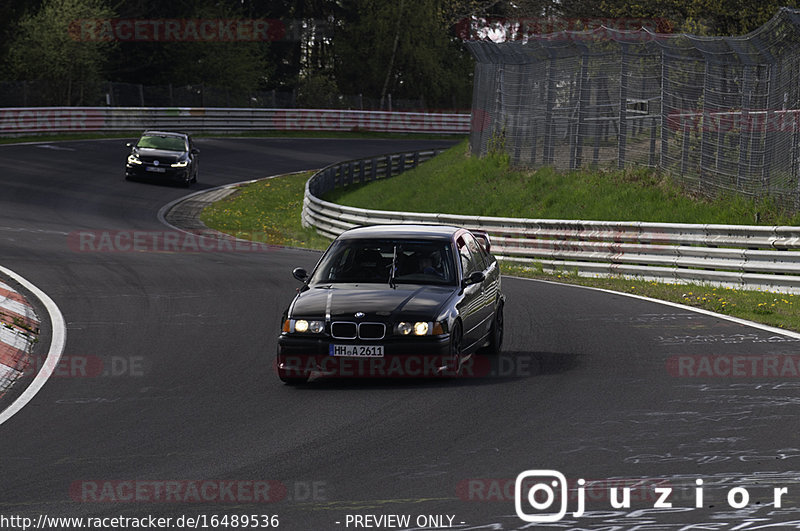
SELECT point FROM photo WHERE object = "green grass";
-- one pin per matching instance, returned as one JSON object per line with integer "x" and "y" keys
{"x": 455, "y": 183}
{"x": 267, "y": 211}
{"x": 774, "y": 309}
{"x": 270, "y": 211}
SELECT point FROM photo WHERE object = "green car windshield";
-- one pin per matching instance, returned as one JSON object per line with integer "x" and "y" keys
{"x": 371, "y": 261}
{"x": 167, "y": 143}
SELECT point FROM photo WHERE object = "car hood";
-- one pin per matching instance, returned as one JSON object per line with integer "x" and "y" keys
{"x": 159, "y": 154}
{"x": 344, "y": 300}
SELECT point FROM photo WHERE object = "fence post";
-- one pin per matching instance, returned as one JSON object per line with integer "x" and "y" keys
{"x": 519, "y": 120}
{"x": 685, "y": 152}
{"x": 705, "y": 134}
{"x": 769, "y": 128}
{"x": 547, "y": 157}
{"x": 745, "y": 126}
{"x": 653, "y": 133}
{"x": 623, "y": 107}
{"x": 583, "y": 102}
{"x": 664, "y": 114}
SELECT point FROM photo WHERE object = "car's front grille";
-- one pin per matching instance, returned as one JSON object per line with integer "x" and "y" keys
{"x": 371, "y": 330}
{"x": 349, "y": 330}
{"x": 343, "y": 330}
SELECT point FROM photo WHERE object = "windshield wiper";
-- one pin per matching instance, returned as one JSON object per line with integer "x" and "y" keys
{"x": 392, "y": 283}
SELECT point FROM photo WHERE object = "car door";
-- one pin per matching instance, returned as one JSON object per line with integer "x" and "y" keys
{"x": 472, "y": 304}
{"x": 193, "y": 156}
{"x": 482, "y": 263}
{"x": 492, "y": 283}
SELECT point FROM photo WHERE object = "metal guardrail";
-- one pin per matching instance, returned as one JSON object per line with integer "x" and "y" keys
{"x": 740, "y": 256}
{"x": 48, "y": 120}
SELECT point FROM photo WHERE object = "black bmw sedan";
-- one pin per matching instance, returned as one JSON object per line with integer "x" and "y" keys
{"x": 164, "y": 156}
{"x": 393, "y": 300}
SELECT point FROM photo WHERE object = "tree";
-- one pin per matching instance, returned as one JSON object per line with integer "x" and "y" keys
{"x": 708, "y": 17}
{"x": 406, "y": 49}
{"x": 46, "y": 50}
{"x": 240, "y": 66}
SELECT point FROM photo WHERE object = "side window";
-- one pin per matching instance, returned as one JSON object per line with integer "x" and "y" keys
{"x": 471, "y": 257}
{"x": 465, "y": 256}
{"x": 478, "y": 258}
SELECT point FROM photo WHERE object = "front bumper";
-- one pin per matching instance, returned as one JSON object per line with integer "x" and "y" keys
{"x": 141, "y": 171}
{"x": 403, "y": 357}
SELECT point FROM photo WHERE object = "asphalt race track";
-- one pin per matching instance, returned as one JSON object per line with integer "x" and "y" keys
{"x": 182, "y": 391}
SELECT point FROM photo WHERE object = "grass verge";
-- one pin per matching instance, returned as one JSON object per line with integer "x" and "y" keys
{"x": 267, "y": 211}
{"x": 774, "y": 309}
{"x": 271, "y": 209}
{"x": 455, "y": 183}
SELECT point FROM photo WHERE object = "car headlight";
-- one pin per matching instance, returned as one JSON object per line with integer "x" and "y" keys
{"x": 419, "y": 328}
{"x": 180, "y": 164}
{"x": 303, "y": 326}
{"x": 133, "y": 159}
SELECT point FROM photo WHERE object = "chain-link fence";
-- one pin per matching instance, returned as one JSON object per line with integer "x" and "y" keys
{"x": 719, "y": 113}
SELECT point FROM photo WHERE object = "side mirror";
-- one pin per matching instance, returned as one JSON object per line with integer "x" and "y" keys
{"x": 475, "y": 278}
{"x": 195, "y": 151}
{"x": 129, "y": 144}
{"x": 300, "y": 274}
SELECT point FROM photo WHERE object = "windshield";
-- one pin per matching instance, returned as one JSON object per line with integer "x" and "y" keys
{"x": 370, "y": 261}
{"x": 167, "y": 143}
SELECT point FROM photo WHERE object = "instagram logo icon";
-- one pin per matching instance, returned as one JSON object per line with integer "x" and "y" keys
{"x": 536, "y": 491}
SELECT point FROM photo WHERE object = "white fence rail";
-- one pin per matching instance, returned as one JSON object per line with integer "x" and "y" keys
{"x": 741, "y": 256}
{"x": 49, "y": 120}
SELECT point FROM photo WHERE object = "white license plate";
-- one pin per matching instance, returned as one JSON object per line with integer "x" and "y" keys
{"x": 157, "y": 170}
{"x": 356, "y": 351}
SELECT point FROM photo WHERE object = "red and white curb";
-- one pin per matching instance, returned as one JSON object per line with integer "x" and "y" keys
{"x": 18, "y": 321}
{"x": 19, "y": 327}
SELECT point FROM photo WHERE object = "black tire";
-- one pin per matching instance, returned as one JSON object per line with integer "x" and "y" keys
{"x": 495, "y": 345}
{"x": 456, "y": 348}
{"x": 294, "y": 381}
